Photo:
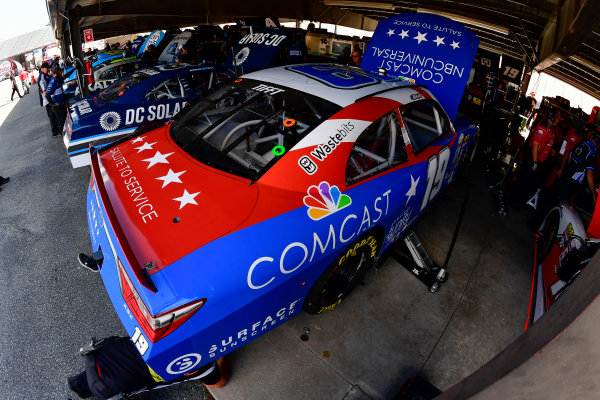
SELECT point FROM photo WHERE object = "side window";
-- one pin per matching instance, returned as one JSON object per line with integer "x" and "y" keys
{"x": 126, "y": 68}
{"x": 110, "y": 73}
{"x": 425, "y": 122}
{"x": 167, "y": 90}
{"x": 379, "y": 147}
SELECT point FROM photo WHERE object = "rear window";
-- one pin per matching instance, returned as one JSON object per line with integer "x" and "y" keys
{"x": 121, "y": 87}
{"x": 244, "y": 128}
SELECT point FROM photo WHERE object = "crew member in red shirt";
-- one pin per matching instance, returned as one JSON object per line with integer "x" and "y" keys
{"x": 543, "y": 140}
{"x": 573, "y": 139}
{"x": 535, "y": 165}
{"x": 24, "y": 75}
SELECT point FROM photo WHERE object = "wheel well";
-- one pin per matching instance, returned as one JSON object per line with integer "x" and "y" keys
{"x": 379, "y": 233}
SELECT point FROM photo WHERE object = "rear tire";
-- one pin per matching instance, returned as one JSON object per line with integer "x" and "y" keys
{"x": 342, "y": 276}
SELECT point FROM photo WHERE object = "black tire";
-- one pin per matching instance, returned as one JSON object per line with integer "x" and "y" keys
{"x": 548, "y": 235}
{"x": 342, "y": 276}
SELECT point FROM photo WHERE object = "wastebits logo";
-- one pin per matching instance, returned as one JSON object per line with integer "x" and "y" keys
{"x": 323, "y": 150}
{"x": 109, "y": 121}
{"x": 325, "y": 200}
{"x": 307, "y": 165}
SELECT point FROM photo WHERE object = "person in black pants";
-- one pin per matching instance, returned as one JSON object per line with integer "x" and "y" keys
{"x": 55, "y": 97}
{"x": 114, "y": 366}
{"x": 13, "y": 82}
{"x": 43, "y": 82}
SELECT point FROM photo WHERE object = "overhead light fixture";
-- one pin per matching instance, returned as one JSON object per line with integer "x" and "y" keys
{"x": 360, "y": 4}
{"x": 467, "y": 20}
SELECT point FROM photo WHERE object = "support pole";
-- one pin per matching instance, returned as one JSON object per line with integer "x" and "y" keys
{"x": 75, "y": 33}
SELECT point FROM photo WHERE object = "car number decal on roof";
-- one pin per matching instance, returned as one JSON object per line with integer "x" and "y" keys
{"x": 335, "y": 76}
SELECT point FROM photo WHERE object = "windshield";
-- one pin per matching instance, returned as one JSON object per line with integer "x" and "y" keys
{"x": 120, "y": 87}
{"x": 244, "y": 128}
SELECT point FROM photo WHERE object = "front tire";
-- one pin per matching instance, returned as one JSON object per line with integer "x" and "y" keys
{"x": 342, "y": 276}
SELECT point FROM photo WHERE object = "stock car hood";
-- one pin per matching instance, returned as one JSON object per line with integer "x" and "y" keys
{"x": 166, "y": 203}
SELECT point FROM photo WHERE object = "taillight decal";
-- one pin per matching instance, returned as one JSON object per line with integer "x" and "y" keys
{"x": 154, "y": 326}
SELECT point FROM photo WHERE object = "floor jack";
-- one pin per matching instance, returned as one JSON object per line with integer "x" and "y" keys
{"x": 418, "y": 262}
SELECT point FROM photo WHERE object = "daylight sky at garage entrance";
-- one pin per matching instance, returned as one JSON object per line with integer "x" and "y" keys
{"x": 21, "y": 16}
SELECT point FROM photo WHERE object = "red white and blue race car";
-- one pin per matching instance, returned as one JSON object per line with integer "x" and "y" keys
{"x": 275, "y": 192}
{"x": 271, "y": 195}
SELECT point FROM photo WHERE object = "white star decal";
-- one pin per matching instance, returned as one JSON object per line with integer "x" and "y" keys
{"x": 186, "y": 198}
{"x": 403, "y": 34}
{"x": 454, "y": 45}
{"x": 390, "y": 32}
{"x": 421, "y": 37}
{"x": 171, "y": 177}
{"x": 439, "y": 40}
{"x": 413, "y": 188}
{"x": 157, "y": 159}
{"x": 145, "y": 146}
{"x": 138, "y": 139}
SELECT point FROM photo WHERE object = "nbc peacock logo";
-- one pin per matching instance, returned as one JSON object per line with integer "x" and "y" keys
{"x": 323, "y": 200}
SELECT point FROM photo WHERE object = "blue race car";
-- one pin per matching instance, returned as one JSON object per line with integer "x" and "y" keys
{"x": 152, "y": 95}
{"x": 149, "y": 95}
{"x": 105, "y": 73}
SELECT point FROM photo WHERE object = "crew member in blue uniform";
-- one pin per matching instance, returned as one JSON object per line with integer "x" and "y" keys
{"x": 55, "y": 97}
{"x": 182, "y": 55}
{"x": 43, "y": 81}
{"x": 298, "y": 51}
{"x": 127, "y": 50}
{"x": 580, "y": 168}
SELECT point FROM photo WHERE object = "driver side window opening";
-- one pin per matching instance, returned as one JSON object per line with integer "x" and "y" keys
{"x": 379, "y": 147}
{"x": 110, "y": 73}
{"x": 167, "y": 90}
{"x": 425, "y": 123}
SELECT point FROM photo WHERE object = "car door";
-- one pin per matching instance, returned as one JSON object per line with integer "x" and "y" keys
{"x": 385, "y": 180}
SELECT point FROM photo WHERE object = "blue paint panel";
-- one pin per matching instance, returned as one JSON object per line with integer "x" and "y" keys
{"x": 335, "y": 76}
{"x": 254, "y": 55}
{"x": 153, "y": 38}
{"x": 433, "y": 50}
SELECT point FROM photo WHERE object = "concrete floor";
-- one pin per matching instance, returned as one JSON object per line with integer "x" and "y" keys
{"x": 384, "y": 333}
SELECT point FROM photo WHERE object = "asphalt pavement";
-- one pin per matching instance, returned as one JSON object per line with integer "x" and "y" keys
{"x": 50, "y": 305}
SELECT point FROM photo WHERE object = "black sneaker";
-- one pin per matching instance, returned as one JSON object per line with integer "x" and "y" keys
{"x": 4, "y": 180}
{"x": 78, "y": 384}
{"x": 87, "y": 262}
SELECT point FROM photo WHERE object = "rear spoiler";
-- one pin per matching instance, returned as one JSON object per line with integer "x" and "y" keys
{"x": 140, "y": 272}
